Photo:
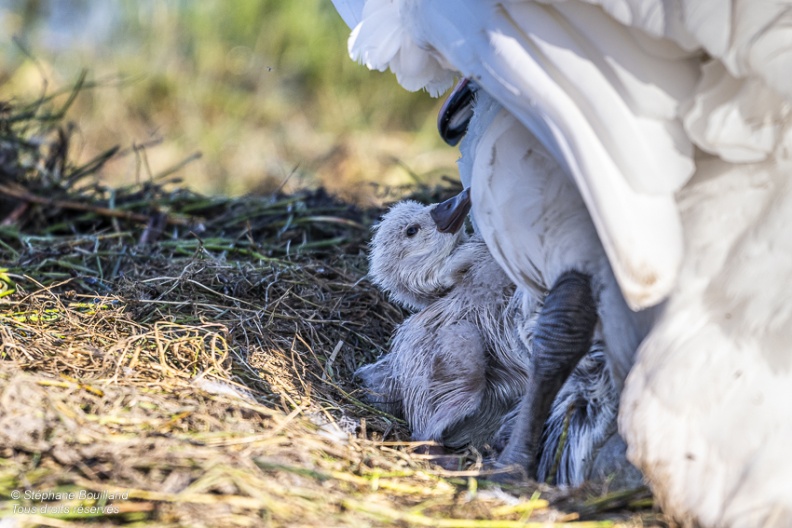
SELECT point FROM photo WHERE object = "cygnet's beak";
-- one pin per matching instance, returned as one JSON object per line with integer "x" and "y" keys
{"x": 449, "y": 216}
{"x": 454, "y": 116}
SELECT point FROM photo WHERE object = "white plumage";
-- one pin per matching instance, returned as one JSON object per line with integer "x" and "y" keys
{"x": 533, "y": 219}
{"x": 673, "y": 119}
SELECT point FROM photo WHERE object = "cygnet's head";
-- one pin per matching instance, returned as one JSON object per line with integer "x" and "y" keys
{"x": 409, "y": 255}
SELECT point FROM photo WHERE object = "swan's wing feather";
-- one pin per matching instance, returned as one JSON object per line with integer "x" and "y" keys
{"x": 739, "y": 120}
{"x": 708, "y": 395}
{"x": 623, "y": 161}
{"x": 657, "y": 18}
{"x": 742, "y": 109}
{"x": 750, "y": 37}
{"x": 350, "y": 10}
{"x": 626, "y": 99}
{"x": 382, "y": 40}
{"x": 376, "y": 41}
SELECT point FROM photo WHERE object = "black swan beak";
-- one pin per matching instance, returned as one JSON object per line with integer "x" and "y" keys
{"x": 449, "y": 216}
{"x": 452, "y": 122}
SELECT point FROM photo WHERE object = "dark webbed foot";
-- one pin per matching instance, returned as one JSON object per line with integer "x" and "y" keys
{"x": 562, "y": 336}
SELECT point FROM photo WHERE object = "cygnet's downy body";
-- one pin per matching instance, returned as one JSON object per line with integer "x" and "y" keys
{"x": 458, "y": 367}
{"x": 446, "y": 373}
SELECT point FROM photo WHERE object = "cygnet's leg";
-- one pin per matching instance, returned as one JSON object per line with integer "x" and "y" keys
{"x": 447, "y": 386}
{"x": 563, "y": 334}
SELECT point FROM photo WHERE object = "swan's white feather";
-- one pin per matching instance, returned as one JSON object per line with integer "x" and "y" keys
{"x": 749, "y": 37}
{"x": 706, "y": 407}
{"x": 657, "y": 18}
{"x": 350, "y": 10}
{"x": 740, "y": 110}
{"x": 382, "y": 40}
{"x": 739, "y": 120}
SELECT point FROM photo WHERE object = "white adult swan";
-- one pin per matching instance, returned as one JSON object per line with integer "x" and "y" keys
{"x": 632, "y": 98}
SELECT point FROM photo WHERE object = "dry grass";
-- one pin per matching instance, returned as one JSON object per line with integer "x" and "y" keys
{"x": 193, "y": 358}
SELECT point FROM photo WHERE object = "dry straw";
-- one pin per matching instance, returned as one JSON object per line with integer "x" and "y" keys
{"x": 188, "y": 361}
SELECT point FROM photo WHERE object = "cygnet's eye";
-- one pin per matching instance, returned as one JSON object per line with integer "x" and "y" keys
{"x": 412, "y": 230}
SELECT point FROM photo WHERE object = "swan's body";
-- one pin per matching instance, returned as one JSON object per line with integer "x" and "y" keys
{"x": 706, "y": 407}
{"x": 458, "y": 367}
{"x": 673, "y": 119}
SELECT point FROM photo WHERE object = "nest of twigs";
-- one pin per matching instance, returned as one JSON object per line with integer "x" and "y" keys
{"x": 178, "y": 360}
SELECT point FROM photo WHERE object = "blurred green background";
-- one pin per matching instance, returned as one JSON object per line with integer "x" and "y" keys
{"x": 263, "y": 89}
